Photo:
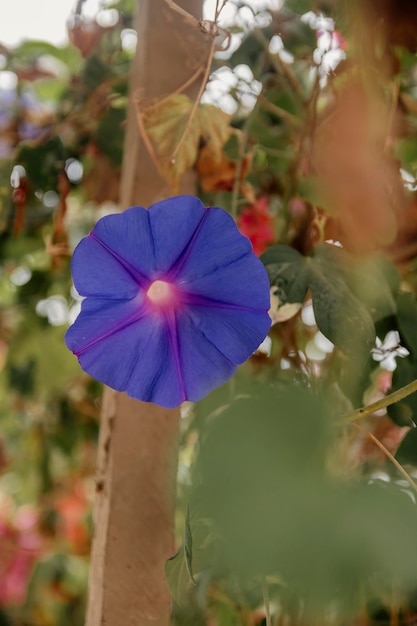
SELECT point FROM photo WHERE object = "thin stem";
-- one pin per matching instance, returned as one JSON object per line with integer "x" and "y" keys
{"x": 193, "y": 21}
{"x": 391, "y": 398}
{"x": 388, "y": 454}
{"x": 243, "y": 140}
{"x": 145, "y": 137}
{"x": 219, "y": 9}
{"x": 197, "y": 100}
{"x": 292, "y": 120}
{"x": 216, "y": 11}
{"x": 183, "y": 87}
{"x": 265, "y": 593}
{"x": 281, "y": 68}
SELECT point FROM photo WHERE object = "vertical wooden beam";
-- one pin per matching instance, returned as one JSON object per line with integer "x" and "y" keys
{"x": 134, "y": 508}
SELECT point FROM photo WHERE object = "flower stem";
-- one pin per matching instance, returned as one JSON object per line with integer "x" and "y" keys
{"x": 198, "y": 98}
{"x": 391, "y": 398}
{"x": 388, "y": 454}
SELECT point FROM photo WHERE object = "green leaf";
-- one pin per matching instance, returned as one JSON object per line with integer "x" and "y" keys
{"x": 280, "y": 254}
{"x": 406, "y": 319}
{"x": 374, "y": 280}
{"x": 179, "y": 568}
{"x": 406, "y": 152}
{"x": 178, "y": 578}
{"x": 340, "y": 314}
{"x": 264, "y": 485}
{"x": 95, "y": 72}
{"x": 287, "y": 273}
{"x": 29, "y": 52}
{"x": 404, "y": 413}
{"x": 308, "y": 189}
{"x": 110, "y": 135}
{"x": 407, "y": 450}
{"x": 188, "y": 546}
{"x": 42, "y": 162}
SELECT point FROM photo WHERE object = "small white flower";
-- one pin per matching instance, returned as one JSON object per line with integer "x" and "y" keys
{"x": 386, "y": 351}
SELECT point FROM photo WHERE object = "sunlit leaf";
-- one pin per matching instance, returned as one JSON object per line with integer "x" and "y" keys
{"x": 165, "y": 124}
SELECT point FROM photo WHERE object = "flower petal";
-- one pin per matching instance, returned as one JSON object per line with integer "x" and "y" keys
{"x": 217, "y": 243}
{"x": 100, "y": 318}
{"x": 204, "y": 367}
{"x": 129, "y": 236}
{"x": 173, "y": 223}
{"x": 137, "y": 359}
{"x": 96, "y": 272}
{"x": 236, "y": 333}
{"x": 243, "y": 283}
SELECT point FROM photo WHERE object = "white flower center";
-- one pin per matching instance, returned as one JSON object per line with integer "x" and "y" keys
{"x": 160, "y": 292}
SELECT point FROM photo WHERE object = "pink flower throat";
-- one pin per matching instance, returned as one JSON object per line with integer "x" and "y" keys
{"x": 161, "y": 294}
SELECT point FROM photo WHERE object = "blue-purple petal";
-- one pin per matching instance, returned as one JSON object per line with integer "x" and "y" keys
{"x": 174, "y": 223}
{"x": 204, "y": 366}
{"x": 217, "y": 243}
{"x": 96, "y": 272}
{"x": 102, "y": 317}
{"x": 242, "y": 283}
{"x": 129, "y": 235}
{"x": 169, "y": 354}
{"x": 137, "y": 359}
{"x": 236, "y": 333}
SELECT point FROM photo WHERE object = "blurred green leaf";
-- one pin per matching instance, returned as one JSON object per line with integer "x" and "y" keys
{"x": 406, "y": 319}
{"x": 263, "y": 483}
{"x": 407, "y": 450}
{"x": 404, "y": 413}
{"x": 42, "y": 162}
{"x": 178, "y": 577}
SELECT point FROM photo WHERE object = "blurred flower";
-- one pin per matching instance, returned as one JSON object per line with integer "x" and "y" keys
{"x": 256, "y": 223}
{"x": 175, "y": 300}
{"x": 73, "y": 508}
{"x": 19, "y": 547}
{"x": 331, "y": 45}
{"x": 330, "y": 51}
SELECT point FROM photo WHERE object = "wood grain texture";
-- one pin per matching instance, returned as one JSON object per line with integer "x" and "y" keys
{"x": 134, "y": 507}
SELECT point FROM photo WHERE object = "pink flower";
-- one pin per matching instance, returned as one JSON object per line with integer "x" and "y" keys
{"x": 19, "y": 546}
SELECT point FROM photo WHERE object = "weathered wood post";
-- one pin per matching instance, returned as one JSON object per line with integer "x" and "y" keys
{"x": 133, "y": 514}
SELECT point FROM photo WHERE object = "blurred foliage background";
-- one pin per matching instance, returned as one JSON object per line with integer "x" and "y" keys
{"x": 293, "y": 509}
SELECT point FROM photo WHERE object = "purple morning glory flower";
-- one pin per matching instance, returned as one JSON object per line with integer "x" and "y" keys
{"x": 175, "y": 300}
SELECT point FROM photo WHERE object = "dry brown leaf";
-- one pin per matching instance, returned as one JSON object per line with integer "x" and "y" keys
{"x": 219, "y": 174}
{"x": 165, "y": 124}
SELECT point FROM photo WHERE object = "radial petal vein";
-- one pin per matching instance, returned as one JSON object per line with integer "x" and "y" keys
{"x": 112, "y": 331}
{"x": 171, "y": 322}
{"x": 177, "y": 265}
{"x": 135, "y": 273}
{"x": 196, "y": 300}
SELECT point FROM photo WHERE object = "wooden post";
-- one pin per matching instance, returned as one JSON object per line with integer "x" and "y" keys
{"x": 134, "y": 507}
